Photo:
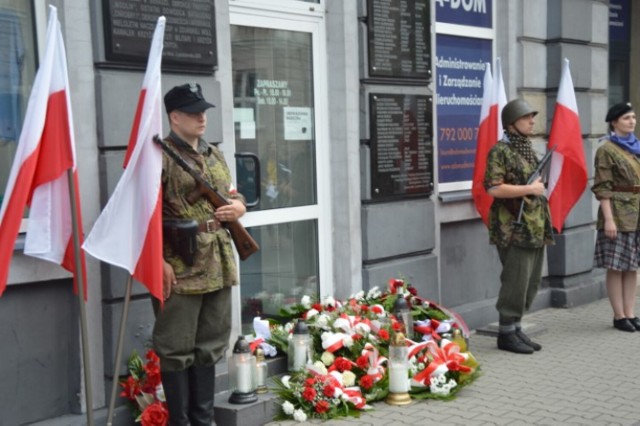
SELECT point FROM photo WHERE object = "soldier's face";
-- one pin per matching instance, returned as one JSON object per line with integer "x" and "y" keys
{"x": 189, "y": 125}
{"x": 524, "y": 125}
{"x": 625, "y": 124}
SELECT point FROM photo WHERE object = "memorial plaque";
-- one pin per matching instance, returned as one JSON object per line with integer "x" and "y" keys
{"x": 399, "y": 42}
{"x": 189, "y": 39}
{"x": 401, "y": 145}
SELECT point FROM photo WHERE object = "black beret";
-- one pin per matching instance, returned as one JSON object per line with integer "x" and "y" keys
{"x": 186, "y": 98}
{"x": 618, "y": 110}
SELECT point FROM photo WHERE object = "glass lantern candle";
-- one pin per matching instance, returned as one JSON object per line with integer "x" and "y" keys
{"x": 402, "y": 313}
{"x": 398, "y": 371}
{"x": 260, "y": 373}
{"x": 300, "y": 347}
{"x": 241, "y": 367}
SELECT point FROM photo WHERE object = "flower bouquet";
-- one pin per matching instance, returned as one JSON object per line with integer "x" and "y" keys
{"x": 143, "y": 390}
{"x": 351, "y": 343}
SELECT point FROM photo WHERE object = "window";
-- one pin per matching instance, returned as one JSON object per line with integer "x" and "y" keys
{"x": 17, "y": 71}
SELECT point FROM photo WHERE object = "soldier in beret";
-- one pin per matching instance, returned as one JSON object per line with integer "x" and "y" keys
{"x": 191, "y": 332}
{"x": 519, "y": 238}
{"x": 617, "y": 186}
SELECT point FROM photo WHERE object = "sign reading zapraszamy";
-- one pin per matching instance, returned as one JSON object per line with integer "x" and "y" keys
{"x": 401, "y": 145}
{"x": 189, "y": 38}
{"x": 399, "y": 44}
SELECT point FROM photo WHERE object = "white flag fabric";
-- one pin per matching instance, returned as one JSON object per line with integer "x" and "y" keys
{"x": 39, "y": 174}
{"x": 128, "y": 232}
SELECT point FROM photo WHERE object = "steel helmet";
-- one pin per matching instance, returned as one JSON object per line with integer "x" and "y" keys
{"x": 514, "y": 110}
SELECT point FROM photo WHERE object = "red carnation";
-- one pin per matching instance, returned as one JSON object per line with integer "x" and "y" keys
{"x": 329, "y": 390}
{"x": 383, "y": 334}
{"x": 364, "y": 308}
{"x": 310, "y": 381}
{"x": 131, "y": 388}
{"x": 397, "y": 326}
{"x": 309, "y": 394}
{"x": 376, "y": 309}
{"x": 152, "y": 357}
{"x": 317, "y": 307}
{"x": 342, "y": 364}
{"x": 322, "y": 407}
{"x": 362, "y": 362}
{"x": 155, "y": 415}
{"x": 366, "y": 382}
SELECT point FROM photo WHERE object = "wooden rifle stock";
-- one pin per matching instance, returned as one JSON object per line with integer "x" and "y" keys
{"x": 243, "y": 241}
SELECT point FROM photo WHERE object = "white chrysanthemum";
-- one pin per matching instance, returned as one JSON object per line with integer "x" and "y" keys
{"x": 327, "y": 358}
{"x": 348, "y": 378}
{"x": 374, "y": 293}
{"x": 306, "y": 302}
{"x": 288, "y": 327}
{"x": 299, "y": 416}
{"x": 288, "y": 408}
{"x": 359, "y": 295}
{"x": 329, "y": 301}
{"x": 413, "y": 369}
{"x": 322, "y": 320}
{"x": 312, "y": 313}
{"x": 285, "y": 381}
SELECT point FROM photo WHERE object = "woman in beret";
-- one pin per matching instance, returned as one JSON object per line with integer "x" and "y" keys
{"x": 617, "y": 188}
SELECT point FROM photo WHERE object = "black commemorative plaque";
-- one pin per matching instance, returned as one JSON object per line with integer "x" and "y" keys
{"x": 189, "y": 39}
{"x": 399, "y": 42}
{"x": 401, "y": 145}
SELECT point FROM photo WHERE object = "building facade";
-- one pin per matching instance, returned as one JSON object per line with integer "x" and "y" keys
{"x": 362, "y": 117}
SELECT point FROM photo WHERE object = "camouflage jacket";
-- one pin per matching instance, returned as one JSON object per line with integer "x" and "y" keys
{"x": 214, "y": 266}
{"x": 615, "y": 169}
{"x": 506, "y": 165}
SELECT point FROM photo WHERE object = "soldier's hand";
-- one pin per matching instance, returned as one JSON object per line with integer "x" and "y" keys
{"x": 231, "y": 212}
{"x": 168, "y": 279}
{"x": 537, "y": 187}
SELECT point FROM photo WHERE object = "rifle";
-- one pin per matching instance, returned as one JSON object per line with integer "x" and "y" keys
{"x": 243, "y": 241}
{"x": 542, "y": 167}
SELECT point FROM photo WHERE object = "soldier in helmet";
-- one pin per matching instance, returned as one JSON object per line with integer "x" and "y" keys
{"x": 616, "y": 185}
{"x": 520, "y": 244}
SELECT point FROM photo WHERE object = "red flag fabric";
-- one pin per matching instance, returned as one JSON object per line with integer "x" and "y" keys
{"x": 489, "y": 132}
{"x": 38, "y": 177}
{"x": 128, "y": 232}
{"x": 568, "y": 172}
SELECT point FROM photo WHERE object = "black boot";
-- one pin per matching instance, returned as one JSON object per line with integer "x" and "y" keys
{"x": 176, "y": 392}
{"x": 510, "y": 342}
{"x": 202, "y": 382}
{"x": 525, "y": 339}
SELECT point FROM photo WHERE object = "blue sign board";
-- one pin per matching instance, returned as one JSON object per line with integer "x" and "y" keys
{"x": 619, "y": 20}
{"x": 460, "y": 66}
{"x": 475, "y": 13}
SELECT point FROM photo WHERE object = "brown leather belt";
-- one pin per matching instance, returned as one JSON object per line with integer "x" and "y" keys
{"x": 634, "y": 188}
{"x": 211, "y": 225}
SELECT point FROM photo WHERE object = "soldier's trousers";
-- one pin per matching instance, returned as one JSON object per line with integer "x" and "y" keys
{"x": 192, "y": 329}
{"x": 521, "y": 277}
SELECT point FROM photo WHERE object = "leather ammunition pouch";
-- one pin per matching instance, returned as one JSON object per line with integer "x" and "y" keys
{"x": 181, "y": 235}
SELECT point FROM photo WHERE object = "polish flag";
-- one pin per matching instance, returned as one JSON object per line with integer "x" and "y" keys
{"x": 128, "y": 232}
{"x": 39, "y": 175}
{"x": 568, "y": 172}
{"x": 489, "y": 132}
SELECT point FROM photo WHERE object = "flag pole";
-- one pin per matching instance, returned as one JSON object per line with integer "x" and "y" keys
{"x": 79, "y": 274}
{"x": 116, "y": 368}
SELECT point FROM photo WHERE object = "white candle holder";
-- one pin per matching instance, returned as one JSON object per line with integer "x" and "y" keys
{"x": 300, "y": 352}
{"x": 403, "y": 313}
{"x": 261, "y": 371}
{"x": 398, "y": 372}
{"x": 241, "y": 367}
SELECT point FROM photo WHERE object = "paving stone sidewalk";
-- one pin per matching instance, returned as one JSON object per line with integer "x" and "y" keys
{"x": 587, "y": 373}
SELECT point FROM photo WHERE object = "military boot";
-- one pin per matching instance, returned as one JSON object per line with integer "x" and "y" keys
{"x": 176, "y": 392}
{"x": 527, "y": 341}
{"x": 201, "y": 392}
{"x": 512, "y": 343}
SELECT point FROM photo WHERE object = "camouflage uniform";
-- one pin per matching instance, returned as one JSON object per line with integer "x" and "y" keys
{"x": 616, "y": 172}
{"x": 520, "y": 247}
{"x": 198, "y": 313}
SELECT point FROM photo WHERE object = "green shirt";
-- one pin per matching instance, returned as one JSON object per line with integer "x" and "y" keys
{"x": 615, "y": 168}
{"x": 506, "y": 166}
{"x": 214, "y": 266}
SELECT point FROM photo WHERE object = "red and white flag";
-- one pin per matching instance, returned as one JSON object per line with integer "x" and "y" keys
{"x": 489, "y": 132}
{"x": 128, "y": 232}
{"x": 38, "y": 177}
{"x": 568, "y": 172}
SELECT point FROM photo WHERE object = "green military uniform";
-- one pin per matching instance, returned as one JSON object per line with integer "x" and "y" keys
{"x": 194, "y": 325}
{"x": 520, "y": 246}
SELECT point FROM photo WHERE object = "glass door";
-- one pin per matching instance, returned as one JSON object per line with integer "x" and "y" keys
{"x": 279, "y": 118}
